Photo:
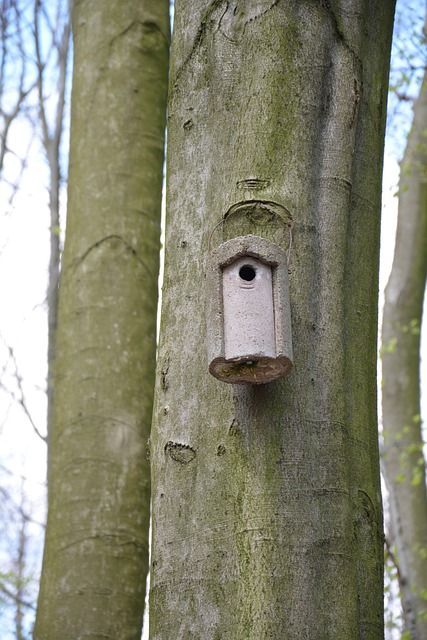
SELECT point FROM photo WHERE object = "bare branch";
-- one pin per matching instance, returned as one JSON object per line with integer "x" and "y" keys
{"x": 20, "y": 396}
{"x": 16, "y": 598}
{"x": 15, "y": 89}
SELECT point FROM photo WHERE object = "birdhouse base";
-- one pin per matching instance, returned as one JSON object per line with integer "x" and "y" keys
{"x": 250, "y": 369}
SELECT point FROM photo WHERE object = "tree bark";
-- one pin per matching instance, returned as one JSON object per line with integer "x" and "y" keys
{"x": 267, "y": 516}
{"x": 403, "y": 461}
{"x": 96, "y": 551}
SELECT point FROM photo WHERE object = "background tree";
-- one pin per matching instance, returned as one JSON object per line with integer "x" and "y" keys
{"x": 266, "y": 499}
{"x": 33, "y": 58}
{"x": 96, "y": 548}
{"x": 51, "y": 95}
{"x": 403, "y": 460}
{"x": 18, "y": 574}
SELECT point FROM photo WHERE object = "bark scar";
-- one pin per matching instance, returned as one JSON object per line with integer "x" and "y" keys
{"x": 338, "y": 30}
{"x": 356, "y": 101}
{"x": 148, "y": 27}
{"x": 179, "y": 452}
{"x": 233, "y": 26}
{"x": 164, "y": 375}
{"x": 201, "y": 33}
{"x": 109, "y": 239}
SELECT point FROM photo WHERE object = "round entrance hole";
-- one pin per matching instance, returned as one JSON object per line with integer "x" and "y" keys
{"x": 247, "y": 272}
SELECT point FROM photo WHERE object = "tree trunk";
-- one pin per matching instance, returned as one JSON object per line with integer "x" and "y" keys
{"x": 51, "y": 139}
{"x": 267, "y": 517}
{"x": 403, "y": 461}
{"x": 96, "y": 552}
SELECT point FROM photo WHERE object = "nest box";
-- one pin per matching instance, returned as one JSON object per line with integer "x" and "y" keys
{"x": 248, "y": 312}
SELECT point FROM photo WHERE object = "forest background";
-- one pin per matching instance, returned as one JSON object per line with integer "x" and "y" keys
{"x": 35, "y": 86}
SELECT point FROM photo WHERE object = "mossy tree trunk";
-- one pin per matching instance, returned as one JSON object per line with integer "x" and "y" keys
{"x": 267, "y": 517}
{"x": 96, "y": 551}
{"x": 403, "y": 461}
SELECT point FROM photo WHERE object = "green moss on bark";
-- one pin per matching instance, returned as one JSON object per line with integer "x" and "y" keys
{"x": 262, "y": 539}
{"x": 96, "y": 551}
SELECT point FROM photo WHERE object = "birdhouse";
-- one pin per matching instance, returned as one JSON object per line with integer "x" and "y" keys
{"x": 248, "y": 312}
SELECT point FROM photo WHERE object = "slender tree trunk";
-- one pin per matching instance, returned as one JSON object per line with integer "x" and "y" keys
{"x": 267, "y": 517}
{"x": 403, "y": 461}
{"x": 53, "y": 285}
{"x": 51, "y": 139}
{"x": 96, "y": 552}
{"x": 20, "y": 578}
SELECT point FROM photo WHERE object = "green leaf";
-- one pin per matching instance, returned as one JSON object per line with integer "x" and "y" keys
{"x": 390, "y": 347}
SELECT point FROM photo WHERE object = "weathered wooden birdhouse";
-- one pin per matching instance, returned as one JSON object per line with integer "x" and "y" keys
{"x": 248, "y": 312}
